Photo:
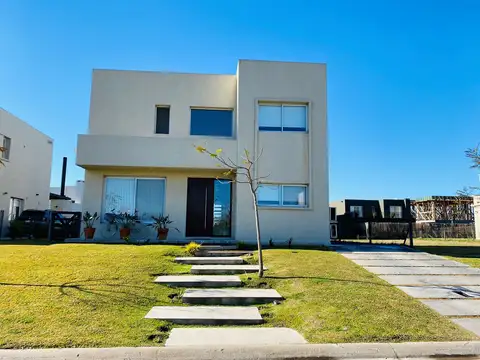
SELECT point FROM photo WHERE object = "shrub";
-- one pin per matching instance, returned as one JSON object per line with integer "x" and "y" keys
{"x": 192, "y": 248}
{"x": 241, "y": 245}
{"x": 16, "y": 229}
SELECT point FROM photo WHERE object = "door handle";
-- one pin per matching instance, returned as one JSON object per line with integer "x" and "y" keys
{"x": 205, "y": 219}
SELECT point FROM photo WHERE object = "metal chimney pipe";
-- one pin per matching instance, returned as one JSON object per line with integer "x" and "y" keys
{"x": 64, "y": 174}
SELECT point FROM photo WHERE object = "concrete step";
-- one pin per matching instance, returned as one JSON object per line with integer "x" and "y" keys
{"x": 199, "y": 281}
{"x": 224, "y": 269}
{"x": 230, "y": 296}
{"x": 210, "y": 260}
{"x": 206, "y": 315}
{"x": 233, "y": 336}
{"x": 217, "y": 247}
{"x": 222, "y": 253}
{"x": 471, "y": 324}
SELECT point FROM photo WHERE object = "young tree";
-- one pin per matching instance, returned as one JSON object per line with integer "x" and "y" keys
{"x": 242, "y": 174}
{"x": 474, "y": 155}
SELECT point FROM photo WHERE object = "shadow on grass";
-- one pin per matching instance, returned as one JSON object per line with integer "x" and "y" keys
{"x": 98, "y": 291}
{"x": 322, "y": 279}
{"x": 457, "y": 251}
{"x": 29, "y": 242}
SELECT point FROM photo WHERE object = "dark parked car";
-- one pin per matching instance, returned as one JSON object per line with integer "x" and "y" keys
{"x": 34, "y": 224}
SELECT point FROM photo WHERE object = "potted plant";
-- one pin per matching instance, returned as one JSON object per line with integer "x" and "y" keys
{"x": 160, "y": 224}
{"x": 89, "y": 220}
{"x": 126, "y": 222}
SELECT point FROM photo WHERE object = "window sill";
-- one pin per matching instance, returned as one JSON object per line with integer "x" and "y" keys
{"x": 213, "y": 136}
{"x": 285, "y": 208}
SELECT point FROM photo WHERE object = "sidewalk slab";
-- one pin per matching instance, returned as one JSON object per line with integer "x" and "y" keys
{"x": 472, "y": 324}
{"x": 441, "y": 292}
{"x": 230, "y": 296}
{"x": 454, "y": 307}
{"x": 224, "y": 269}
{"x": 210, "y": 260}
{"x": 392, "y": 256}
{"x": 199, "y": 280}
{"x": 233, "y": 336}
{"x": 432, "y": 279}
{"x": 206, "y": 315}
{"x": 408, "y": 262}
{"x": 460, "y": 349}
{"x": 379, "y": 270}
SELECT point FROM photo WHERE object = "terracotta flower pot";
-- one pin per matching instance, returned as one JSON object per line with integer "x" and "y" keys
{"x": 162, "y": 234}
{"x": 89, "y": 233}
{"x": 124, "y": 232}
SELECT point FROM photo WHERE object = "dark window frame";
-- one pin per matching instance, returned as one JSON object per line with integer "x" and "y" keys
{"x": 7, "y": 144}
{"x": 166, "y": 129}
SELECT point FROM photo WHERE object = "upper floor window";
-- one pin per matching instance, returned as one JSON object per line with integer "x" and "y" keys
{"x": 396, "y": 212}
{"x": 7, "y": 144}
{"x": 162, "y": 124}
{"x": 282, "y": 117}
{"x": 211, "y": 122}
{"x": 333, "y": 214}
{"x": 356, "y": 210}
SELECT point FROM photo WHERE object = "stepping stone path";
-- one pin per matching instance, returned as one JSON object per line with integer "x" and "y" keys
{"x": 224, "y": 269}
{"x": 231, "y": 296}
{"x": 210, "y": 260}
{"x": 199, "y": 281}
{"x": 207, "y": 315}
{"x": 212, "y": 270}
{"x": 448, "y": 287}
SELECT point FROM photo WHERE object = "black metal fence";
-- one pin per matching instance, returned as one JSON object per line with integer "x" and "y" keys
{"x": 64, "y": 224}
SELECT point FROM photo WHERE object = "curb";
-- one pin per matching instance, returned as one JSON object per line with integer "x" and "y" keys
{"x": 464, "y": 350}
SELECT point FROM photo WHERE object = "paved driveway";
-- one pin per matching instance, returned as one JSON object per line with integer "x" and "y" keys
{"x": 448, "y": 287}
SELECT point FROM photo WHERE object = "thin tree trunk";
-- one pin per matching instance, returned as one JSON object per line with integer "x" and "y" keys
{"x": 257, "y": 227}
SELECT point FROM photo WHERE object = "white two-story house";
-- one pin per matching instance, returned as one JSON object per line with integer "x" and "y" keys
{"x": 139, "y": 156}
{"x": 25, "y": 176}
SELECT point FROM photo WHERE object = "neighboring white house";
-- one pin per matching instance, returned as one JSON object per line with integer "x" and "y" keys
{"x": 476, "y": 209}
{"x": 25, "y": 178}
{"x": 74, "y": 192}
{"x": 139, "y": 155}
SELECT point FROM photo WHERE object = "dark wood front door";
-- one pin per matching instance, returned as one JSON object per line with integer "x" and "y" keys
{"x": 200, "y": 199}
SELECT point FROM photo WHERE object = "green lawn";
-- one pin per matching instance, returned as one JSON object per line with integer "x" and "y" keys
{"x": 463, "y": 250}
{"x": 69, "y": 295}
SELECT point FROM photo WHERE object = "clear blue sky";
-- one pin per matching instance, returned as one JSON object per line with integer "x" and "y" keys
{"x": 403, "y": 76}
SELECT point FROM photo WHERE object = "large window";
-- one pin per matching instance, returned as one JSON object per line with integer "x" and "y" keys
{"x": 282, "y": 117}
{"x": 162, "y": 124}
{"x": 282, "y": 195}
{"x": 211, "y": 122}
{"x": 6, "y": 144}
{"x": 146, "y": 197}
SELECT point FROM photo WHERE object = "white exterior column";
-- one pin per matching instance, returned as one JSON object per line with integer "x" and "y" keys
{"x": 476, "y": 208}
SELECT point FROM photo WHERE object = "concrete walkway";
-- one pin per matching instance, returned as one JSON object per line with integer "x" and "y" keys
{"x": 444, "y": 350}
{"x": 448, "y": 287}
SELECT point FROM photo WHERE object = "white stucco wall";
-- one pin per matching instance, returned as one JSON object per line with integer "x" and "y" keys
{"x": 121, "y": 140}
{"x": 74, "y": 192}
{"x": 26, "y": 174}
{"x": 288, "y": 158}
